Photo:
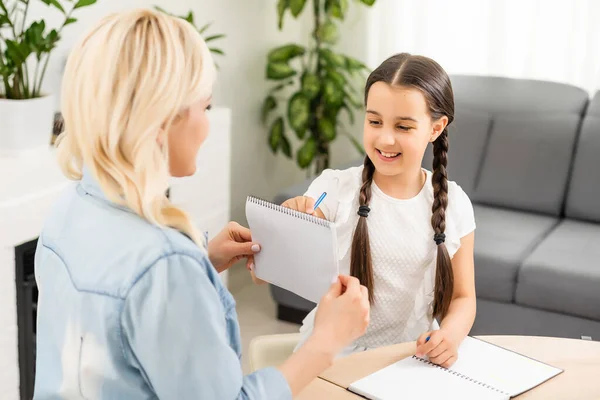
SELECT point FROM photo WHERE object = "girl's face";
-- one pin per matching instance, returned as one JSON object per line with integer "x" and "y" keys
{"x": 397, "y": 128}
{"x": 185, "y": 136}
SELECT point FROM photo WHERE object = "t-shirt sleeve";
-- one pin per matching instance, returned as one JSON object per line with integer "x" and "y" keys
{"x": 327, "y": 182}
{"x": 466, "y": 223}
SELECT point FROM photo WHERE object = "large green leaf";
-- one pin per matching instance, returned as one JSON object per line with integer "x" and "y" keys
{"x": 275, "y": 134}
{"x": 282, "y": 5}
{"x": 299, "y": 113}
{"x": 278, "y": 71}
{"x": 333, "y": 94}
{"x": 306, "y": 153}
{"x": 311, "y": 85}
{"x": 337, "y": 8}
{"x": 328, "y": 32}
{"x": 296, "y": 7}
{"x": 56, "y": 4}
{"x": 331, "y": 59}
{"x": 353, "y": 64}
{"x": 84, "y": 3}
{"x": 286, "y": 148}
{"x": 368, "y": 2}
{"x": 338, "y": 78}
{"x": 269, "y": 105}
{"x": 17, "y": 52}
{"x": 327, "y": 129}
{"x": 285, "y": 53}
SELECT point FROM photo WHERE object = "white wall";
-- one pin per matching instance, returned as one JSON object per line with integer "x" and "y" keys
{"x": 251, "y": 29}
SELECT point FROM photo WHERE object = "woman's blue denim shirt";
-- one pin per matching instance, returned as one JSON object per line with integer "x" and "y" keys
{"x": 128, "y": 310}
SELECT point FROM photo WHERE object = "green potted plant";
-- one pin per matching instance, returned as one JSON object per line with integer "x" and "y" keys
{"x": 26, "y": 112}
{"x": 316, "y": 86}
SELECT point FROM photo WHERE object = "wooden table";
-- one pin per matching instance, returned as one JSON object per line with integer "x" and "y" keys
{"x": 580, "y": 360}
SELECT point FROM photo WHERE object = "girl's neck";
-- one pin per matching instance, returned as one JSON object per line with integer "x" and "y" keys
{"x": 405, "y": 185}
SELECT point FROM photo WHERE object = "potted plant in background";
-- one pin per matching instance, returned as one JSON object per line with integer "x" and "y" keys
{"x": 316, "y": 86}
{"x": 26, "y": 112}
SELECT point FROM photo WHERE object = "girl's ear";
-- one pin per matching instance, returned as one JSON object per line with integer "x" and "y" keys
{"x": 438, "y": 127}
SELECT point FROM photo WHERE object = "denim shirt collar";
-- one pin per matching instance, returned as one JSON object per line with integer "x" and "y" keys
{"x": 89, "y": 186}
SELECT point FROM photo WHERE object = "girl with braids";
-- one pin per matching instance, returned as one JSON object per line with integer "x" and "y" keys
{"x": 406, "y": 233}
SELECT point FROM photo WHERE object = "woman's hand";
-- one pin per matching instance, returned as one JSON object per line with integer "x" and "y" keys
{"x": 232, "y": 244}
{"x": 440, "y": 348}
{"x": 304, "y": 204}
{"x": 342, "y": 315}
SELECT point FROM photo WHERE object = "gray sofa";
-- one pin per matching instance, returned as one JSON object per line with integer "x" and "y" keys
{"x": 528, "y": 155}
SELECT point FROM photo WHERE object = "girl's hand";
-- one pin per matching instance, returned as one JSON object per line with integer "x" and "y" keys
{"x": 304, "y": 204}
{"x": 440, "y": 348}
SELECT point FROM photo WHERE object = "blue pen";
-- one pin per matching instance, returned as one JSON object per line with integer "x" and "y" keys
{"x": 319, "y": 200}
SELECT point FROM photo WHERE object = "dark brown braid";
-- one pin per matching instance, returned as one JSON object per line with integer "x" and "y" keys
{"x": 444, "y": 276}
{"x": 431, "y": 80}
{"x": 361, "y": 265}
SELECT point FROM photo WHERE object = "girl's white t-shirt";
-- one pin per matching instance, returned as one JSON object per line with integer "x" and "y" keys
{"x": 402, "y": 249}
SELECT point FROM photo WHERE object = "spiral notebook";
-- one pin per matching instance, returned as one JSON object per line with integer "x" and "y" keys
{"x": 482, "y": 371}
{"x": 298, "y": 250}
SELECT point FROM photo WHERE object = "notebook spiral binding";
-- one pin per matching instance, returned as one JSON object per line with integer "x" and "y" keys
{"x": 461, "y": 375}
{"x": 289, "y": 211}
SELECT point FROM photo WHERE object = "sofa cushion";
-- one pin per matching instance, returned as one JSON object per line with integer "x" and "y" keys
{"x": 584, "y": 188}
{"x": 527, "y": 162}
{"x": 502, "y": 241}
{"x": 563, "y": 273}
{"x": 510, "y": 95}
{"x": 468, "y": 136}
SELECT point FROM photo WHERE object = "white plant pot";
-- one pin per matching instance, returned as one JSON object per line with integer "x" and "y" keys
{"x": 26, "y": 124}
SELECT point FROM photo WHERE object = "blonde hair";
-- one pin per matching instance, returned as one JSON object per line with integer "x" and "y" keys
{"x": 127, "y": 80}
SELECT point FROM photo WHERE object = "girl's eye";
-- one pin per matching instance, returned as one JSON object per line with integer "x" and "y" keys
{"x": 403, "y": 128}
{"x": 372, "y": 122}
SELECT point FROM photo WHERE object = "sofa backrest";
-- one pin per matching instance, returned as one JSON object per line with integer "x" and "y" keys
{"x": 513, "y": 140}
{"x": 584, "y": 187}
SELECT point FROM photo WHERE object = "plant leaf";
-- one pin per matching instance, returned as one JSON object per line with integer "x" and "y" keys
{"x": 299, "y": 113}
{"x": 217, "y": 51}
{"x": 368, "y": 2}
{"x": 338, "y": 78}
{"x": 205, "y": 27}
{"x": 282, "y": 5}
{"x": 333, "y": 95}
{"x": 17, "y": 52}
{"x": 339, "y": 8}
{"x": 331, "y": 59}
{"x": 190, "y": 17}
{"x": 269, "y": 105}
{"x": 285, "y": 53}
{"x": 278, "y": 71}
{"x": 306, "y": 153}
{"x": 311, "y": 85}
{"x": 286, "y": 148}
{"x": 84, "y": 3}
{"x": 296, "y": 7}
{"x": 214, "y": 37}
{"x": 70, "y": 21}
{"x": 328, "y": 32}
{"x": 327, "y": 129}
{"x": 353, "y": 64}
{"x": 56, "y": 4}
{"x": 275, "y": 134}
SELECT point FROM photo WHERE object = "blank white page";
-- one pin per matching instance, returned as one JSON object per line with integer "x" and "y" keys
{"x": 412, "y": 378}
{"x": 501, "y": 368}
{"x": 298, "y": 251}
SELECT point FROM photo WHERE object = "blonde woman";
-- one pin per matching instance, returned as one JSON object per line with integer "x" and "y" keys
{"x": 130, "y": 304}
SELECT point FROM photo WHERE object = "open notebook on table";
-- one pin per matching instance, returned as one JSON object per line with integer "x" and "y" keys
{"x": 298, "y": 251}
{"x": 482, "y": 371}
